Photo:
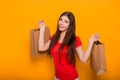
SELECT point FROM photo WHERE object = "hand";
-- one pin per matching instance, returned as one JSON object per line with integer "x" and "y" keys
{"x": 94, "y": 37}
{"x": 41, "y": 24}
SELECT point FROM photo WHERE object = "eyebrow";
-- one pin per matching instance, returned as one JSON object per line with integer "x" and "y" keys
{"x": 65, "y": 19}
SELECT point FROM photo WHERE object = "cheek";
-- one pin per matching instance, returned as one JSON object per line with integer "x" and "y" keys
{"x": 67, "y": 25}
{"x": 59, "y": 22}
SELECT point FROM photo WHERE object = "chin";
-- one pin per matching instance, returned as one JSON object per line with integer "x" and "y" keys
{"x": 61, "y": 29}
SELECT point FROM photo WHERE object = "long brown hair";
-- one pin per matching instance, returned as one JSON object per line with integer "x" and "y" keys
{"x": 69, "y": 38}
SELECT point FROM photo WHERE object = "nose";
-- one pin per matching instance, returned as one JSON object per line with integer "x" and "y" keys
{"x": 61, "y": 22}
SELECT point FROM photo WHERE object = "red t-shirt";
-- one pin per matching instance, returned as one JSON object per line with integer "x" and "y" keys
{"x": 63, "y": 70}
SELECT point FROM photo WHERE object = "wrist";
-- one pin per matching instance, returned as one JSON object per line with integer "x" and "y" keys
{"x": 91, "y": 42}
{"x": 42, "y": 27}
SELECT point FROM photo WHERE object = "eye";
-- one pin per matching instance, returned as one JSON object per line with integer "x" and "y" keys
{"x": 60, "y": 19}
{"x": 66, "y": 21}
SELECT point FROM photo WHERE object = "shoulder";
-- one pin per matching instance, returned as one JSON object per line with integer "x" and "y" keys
{"x": 78, "y": 41}
{"x": 51, "y": 37}
{"x": 77, "y": 37}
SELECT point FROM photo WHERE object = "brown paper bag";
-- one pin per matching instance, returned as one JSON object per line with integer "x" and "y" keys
{"x": 34, "y": 36}
{"x": 97, "y": 58}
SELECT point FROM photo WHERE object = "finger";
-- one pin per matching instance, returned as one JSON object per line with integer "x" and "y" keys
{"x": 41, "y": 21}
{"x": 97, "y": 36}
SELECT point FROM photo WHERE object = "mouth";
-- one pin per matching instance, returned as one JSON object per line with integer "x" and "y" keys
{"x": 61, "y": 26}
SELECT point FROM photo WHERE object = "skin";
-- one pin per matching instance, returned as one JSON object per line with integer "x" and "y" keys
{"x": 63, "y": 27}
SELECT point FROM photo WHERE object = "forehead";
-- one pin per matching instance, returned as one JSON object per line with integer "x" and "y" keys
{"x": 65, "y": 18}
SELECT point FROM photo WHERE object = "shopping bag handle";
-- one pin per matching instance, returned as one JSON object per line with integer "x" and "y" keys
{"x": 97, "y": 42}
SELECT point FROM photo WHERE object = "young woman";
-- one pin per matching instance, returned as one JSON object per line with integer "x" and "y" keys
{"x": 64, "y": 45}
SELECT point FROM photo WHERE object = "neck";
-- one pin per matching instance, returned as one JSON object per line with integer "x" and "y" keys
{"x": 62, "y": 35}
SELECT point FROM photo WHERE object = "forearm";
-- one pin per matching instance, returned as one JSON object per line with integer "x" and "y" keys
{"x": 83, "y": 56}
{"x": 41, "y": 43}
{"x": 87, "y": 53}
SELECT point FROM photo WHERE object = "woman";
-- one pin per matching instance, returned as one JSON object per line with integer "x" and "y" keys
{"x": 63, "y": 46}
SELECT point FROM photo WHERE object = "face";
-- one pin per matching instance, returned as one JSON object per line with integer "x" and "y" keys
{"x": 63, "y": 23}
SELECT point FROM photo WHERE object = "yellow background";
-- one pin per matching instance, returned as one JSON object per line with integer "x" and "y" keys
{"x": 18, "y": 17}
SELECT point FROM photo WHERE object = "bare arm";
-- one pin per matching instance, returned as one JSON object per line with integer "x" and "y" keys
{"x": 83, "y": 56}
{"x": 41, "y": 44}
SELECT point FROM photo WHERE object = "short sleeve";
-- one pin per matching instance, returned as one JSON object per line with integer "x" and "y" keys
{"x": 78, "y": 42}
{"x": 50, "y": 37}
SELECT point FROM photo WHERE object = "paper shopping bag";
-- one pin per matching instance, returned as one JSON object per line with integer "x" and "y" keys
{"x": 97, "y": 58}
{"x": 34, "y": 37}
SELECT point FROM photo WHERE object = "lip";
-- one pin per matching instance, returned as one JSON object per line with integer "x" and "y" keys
{"x": 61, "y": 26}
